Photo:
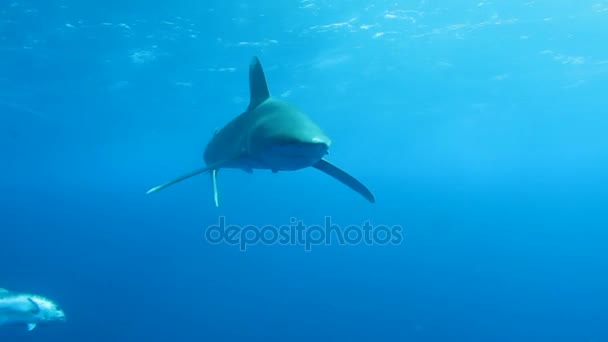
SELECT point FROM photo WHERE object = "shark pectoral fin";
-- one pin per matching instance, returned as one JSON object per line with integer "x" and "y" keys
{"x": 214, "y": 180}
{"x": 178, "y": 179}
{"x": 31, "y": 326}
{"x": 186, "y": 176}
{"x": 345, "y": 178}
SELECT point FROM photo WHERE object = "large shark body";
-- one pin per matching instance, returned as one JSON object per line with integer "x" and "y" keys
{"x": 271, "y": 134}
{"x": 27, "y": 309}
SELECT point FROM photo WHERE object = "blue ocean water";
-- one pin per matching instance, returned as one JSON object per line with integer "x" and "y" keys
{"x": 480, "y": 126}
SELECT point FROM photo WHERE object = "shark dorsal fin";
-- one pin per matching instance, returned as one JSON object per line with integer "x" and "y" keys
{"x": 257, "y": 84}
{"x": 34, "y": 306}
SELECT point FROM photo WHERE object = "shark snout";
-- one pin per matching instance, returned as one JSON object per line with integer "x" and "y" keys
{"x": 58, "y": 316}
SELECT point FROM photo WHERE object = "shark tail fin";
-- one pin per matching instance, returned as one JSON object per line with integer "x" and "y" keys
{"x": 179, "y": 179}
{"x": 345, "y": 178}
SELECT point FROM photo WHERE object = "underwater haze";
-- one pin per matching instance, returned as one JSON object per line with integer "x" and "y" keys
{"x": 480, "y": 127}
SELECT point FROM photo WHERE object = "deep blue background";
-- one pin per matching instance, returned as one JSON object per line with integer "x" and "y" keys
{"x": 480, "y": 127}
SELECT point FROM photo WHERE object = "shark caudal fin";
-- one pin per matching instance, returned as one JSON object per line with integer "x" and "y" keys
{"x": 344, "y": 178}
{"x": 258, "y": 87}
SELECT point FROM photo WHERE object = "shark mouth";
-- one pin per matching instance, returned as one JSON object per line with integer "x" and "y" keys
{"x": 293, "y": 156}
{"x": 299, "y": 150}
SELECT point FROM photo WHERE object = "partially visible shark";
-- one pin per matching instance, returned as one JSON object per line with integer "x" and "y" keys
{"x": 271, "y": 134}
{"x": 27, "y": 309}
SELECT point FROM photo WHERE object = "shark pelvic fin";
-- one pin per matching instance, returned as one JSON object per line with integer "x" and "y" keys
{"x": 257, "y": 84}
{"x": 214, "y": 180}
{"x": 345, "y": 178}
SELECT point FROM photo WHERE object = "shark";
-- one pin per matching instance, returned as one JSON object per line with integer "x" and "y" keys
{"x": 27, "y": 309}
{"x": 271, "y": 134}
